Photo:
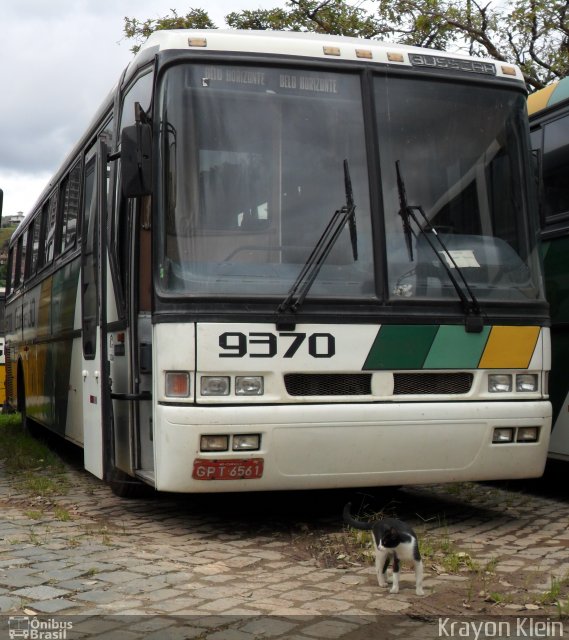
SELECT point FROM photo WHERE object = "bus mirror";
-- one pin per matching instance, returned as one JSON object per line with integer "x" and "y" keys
{"x": 136, "y": 160}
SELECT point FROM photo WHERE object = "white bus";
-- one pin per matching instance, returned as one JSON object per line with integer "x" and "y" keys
{"x": 289, "y": 261}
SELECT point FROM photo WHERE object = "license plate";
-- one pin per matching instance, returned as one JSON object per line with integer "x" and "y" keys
{"x": 249, "y": 469}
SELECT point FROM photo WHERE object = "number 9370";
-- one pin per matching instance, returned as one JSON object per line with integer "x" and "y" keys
{"x": 257, "y": 344}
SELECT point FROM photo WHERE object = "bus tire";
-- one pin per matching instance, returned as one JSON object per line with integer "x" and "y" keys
{"x": 125, "y": 486}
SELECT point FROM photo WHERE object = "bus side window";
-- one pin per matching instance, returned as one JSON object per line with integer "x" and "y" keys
{"x": 23, "y": 249}
{"x": 50, "y": 228}
{"x": 70, "y": 194}
{"x": 35, "y": 248}
{"x": 11, "y": 284}
{"x": 16, "y": 261}
{"x": 89, "y": 263}
{"x": 555, "y": 167}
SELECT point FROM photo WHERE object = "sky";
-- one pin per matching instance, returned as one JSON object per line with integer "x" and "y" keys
{"x": 58, "y": 61}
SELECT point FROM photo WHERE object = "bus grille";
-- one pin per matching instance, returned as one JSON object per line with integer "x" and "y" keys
{"x": 328, "y": 384}
{"x": 431, "y": 383}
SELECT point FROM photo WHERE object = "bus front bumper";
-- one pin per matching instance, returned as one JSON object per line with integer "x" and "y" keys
{"x": 348, "y": 445}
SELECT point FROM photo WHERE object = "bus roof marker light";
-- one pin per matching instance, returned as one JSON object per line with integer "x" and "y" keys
{"x": 364, "y": 53}
{"x": 197, "y": 42}
{"x": 395, "y": 57}
{"x": 331, "y": 51}
{"x": 508, "y": 71}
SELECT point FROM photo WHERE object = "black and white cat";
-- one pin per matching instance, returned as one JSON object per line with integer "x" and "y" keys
{"x": 392, "y": 539}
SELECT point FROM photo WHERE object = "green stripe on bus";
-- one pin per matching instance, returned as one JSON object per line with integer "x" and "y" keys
{"x": 401, "y": 347}
{"x": 454, "y": 348}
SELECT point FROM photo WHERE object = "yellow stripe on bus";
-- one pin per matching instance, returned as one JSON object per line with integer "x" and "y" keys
{"x": 509, "y": 348}
{"x": 538, "y": 100}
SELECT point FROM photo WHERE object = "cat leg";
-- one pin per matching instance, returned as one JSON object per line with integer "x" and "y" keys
{"x": 419, "y": 578}
{"x": 381, "y": 564}
{"x": 395, "y": 586}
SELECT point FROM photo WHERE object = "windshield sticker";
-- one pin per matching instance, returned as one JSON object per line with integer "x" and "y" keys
{"x": 463, "y": 259}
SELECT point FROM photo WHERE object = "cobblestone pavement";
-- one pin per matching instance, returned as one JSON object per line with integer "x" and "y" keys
{"x": 245, "y": 567}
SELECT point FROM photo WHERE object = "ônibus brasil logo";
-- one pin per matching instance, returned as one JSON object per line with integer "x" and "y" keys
{"x": 32, "y": 628}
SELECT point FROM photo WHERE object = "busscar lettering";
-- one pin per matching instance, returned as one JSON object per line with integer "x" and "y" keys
{"x": 452, "y": 64}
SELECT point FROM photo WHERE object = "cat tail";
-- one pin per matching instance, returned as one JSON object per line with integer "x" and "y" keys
{"x": 356, "y": 524}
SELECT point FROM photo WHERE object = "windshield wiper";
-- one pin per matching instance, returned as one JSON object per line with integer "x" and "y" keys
{"x": 472, "y": 317}
{"x": 301, "y": 286}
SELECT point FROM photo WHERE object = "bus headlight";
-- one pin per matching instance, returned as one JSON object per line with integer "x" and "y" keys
{"x": 214, "y": 443}
{"x": 177, "y": 384}
{"x": 214, "y": 385}
{"x": 527, "y": 434}
{"x": 499, "y": 383}
{"x": 249, "y": 386}
{"x": 526, "y": 382}
{"x": 502, "y": 435}
{"x": 247, "y": 442}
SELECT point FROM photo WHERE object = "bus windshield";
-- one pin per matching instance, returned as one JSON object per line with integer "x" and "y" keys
{"x": 252, "y": 171}
{"x": 462, "y": 150}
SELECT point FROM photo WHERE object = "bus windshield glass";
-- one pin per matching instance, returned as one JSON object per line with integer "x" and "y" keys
{"x": 463, "y": 154}
{"x": 253, "y": 171}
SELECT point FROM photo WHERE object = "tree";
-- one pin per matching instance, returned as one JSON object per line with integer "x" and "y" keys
{"x": 139, "y": 31}
{"x": 533, "y": 34}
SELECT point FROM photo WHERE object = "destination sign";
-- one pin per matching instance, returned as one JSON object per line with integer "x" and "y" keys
{"x": 278, "y": 81}
{"x": 452, "y": 64}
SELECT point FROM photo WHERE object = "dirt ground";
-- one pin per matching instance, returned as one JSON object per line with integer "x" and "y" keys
{"x": 502, "y": 549}
{"x": 488, "y": 549}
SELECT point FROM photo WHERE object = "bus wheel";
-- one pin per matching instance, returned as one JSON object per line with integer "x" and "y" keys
{"x": 125, "y": 486}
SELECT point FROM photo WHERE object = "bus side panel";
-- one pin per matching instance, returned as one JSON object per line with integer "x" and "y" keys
{"x": 556, "y": 264}
{"x": 64, "y": 302}
{"x": 36, "y": 354}
{"x": 74, "y": 421}
{"x": 2, "y": 371}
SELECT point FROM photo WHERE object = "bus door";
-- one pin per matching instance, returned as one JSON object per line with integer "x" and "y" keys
{"x": 130, "y": 347}
{"x": 93, "y": 286}
{"x": 142, "y": 337}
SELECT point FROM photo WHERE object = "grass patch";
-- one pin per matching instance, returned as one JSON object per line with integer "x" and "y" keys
{"x": 34, "y": 514}
{"x": 62, "y": 514}
{"x": 37, "y": 469}
{"x": 555, "y": 592}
